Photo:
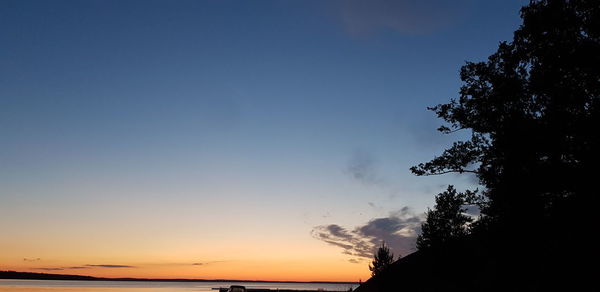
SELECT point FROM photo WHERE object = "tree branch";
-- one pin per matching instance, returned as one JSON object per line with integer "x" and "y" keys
{"x": 451, "y": 171}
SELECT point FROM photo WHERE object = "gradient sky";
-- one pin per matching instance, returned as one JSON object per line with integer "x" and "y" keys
{"x": 226, "y": 139}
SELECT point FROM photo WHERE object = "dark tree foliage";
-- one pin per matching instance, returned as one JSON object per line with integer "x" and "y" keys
{"x": 533, "y": 113}
{"x": 383, "y": 258}
{"x": 448, "y": 220}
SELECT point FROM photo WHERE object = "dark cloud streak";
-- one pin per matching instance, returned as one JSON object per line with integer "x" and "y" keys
{"x": 399, "y": 231}
{"x": 207, "y": 263}
{"x": 83, "y": 267}
{"x": 110, "y": 266}
{"x": 405, "y": 16}
{"x": 49, "y": 269}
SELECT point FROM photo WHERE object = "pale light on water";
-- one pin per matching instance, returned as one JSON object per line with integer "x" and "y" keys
{"x": 7, "y": 285}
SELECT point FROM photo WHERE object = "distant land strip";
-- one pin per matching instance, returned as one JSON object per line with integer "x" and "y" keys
{"x": 44, "y": 276}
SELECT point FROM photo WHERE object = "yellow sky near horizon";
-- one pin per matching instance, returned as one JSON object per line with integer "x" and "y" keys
{"x": 165, "y": 239}
{"x": 248, "y": 258}
{"x": 268, "y": 270}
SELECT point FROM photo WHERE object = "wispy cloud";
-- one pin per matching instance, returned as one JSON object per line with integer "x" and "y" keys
{"x": 76, "y": 268}
{"x": 118, "y": 266}
{"x": 207, "y": 263}
{"x": 111, "y": 266}
{"x": 362, "y": 167}
{"x": 52, "y": 269}
{"x": 399, "y": 230}
{"x": 83, "y": 267}
{"x": 31, "y": 259}
{"x": 49, "y": 269}
{"x": 405, "y": 16}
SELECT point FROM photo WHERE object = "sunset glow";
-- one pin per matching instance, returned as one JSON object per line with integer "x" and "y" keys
{"x": 244, "y": 140}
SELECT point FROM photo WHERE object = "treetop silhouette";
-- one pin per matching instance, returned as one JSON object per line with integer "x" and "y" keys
{"x": 383, "y": 258}
{"x": 532, "y": 110}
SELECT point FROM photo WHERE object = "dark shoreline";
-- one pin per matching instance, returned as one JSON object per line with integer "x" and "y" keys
{"x": 13, "y": 275}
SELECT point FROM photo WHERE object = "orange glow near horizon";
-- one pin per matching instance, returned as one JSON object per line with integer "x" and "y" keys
{"x": 310, "y": 261}
{"x": 177, "y": 244}
{"x": 333, "y": 271}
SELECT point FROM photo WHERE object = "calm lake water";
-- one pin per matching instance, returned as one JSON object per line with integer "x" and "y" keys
{"x": 119, "y": 286}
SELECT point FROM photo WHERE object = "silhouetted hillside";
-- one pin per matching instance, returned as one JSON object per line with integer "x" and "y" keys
{"x": 471, "y": 265}
{"x": 42, "y": 276}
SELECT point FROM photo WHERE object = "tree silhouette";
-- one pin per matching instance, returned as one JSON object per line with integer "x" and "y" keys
{"x": 382, "y": 259}
{"x": 447, "y": 221}
{"x": 532, "y": 111}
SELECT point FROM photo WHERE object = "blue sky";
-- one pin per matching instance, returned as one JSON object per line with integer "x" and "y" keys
{"x": 309, "y": 111}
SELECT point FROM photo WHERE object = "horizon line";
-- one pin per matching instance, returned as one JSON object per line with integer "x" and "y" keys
{"x": 133, "y": 279}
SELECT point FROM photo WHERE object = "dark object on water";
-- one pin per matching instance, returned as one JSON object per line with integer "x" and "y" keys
{"x": 233, "y": 288}
{"x": 236, "y": 288}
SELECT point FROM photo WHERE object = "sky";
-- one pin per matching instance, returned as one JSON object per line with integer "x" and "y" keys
{"x": 259, "y": 140}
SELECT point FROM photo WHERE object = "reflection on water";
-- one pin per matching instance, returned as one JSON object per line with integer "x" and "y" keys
{"x": 122, "y": 286}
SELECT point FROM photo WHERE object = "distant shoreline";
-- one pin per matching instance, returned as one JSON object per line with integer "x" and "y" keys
{"x": 13, "y": 275}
